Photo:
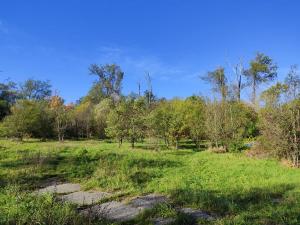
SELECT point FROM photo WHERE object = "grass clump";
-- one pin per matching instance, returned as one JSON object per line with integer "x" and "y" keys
{"x": 17, "y": 207}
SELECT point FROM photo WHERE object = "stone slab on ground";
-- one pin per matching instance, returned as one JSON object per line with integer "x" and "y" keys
{"x": 197, "y": 214}
{"x": 113, "y": 210}
{"x": 147, "y": 201}
{"x": 85, "y": 197}
{"x": 60, "y": 189}
{"x": 163, "y": 221}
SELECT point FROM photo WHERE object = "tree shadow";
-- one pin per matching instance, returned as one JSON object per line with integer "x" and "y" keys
{"x": 152, "y": 147}
{"x": 141, "y": 178}
{"x": 34, "y": 168}
{"x": 3, "y": 181}
{"x": 181, "y": 152}
{"x": 29, "y": 158}
{"x": 191, "y": 145}
{"x": 153, "y": 163}
{"x": 255, "y": 206}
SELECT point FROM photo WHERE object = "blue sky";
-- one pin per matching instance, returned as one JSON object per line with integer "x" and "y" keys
{"x": 174, "y": 40}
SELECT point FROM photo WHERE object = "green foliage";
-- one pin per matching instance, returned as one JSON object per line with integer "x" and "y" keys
{"x": 101, "y": 112}
{"x": 177, "y": 127}
{"x": 110, "y": 78}
{"x": 229, "y": 122}
{"x": 194, "y": 119}
{"x": 272, "y": 96}
{"x": 61, "y": 114}
{"x": 28, "y": 118}
{"x": 35, "y": 89}
{"x": 8, "y": 96}
{"x": 219, "y": 81}
{"x": 279, "y": 125}
{"x": 262, "y": 69}
{"x": 236, "y": 146}
{"x": 159, "y": 121}
{"x": 167, "y": 121}
{"x": 95, "y": 94}
{"x": 126, "y": 120}
{"x": 280, "y": 119}
{"x": 83, "y": 119}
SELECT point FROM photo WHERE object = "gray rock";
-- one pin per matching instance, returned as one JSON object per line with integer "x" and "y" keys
{"x": 113, "y": 210}
{"x": 60, "y": 189}
{"x": 197, "y": 214}
{"x": 163, "y": 221}
{"x": 148, "y": 201}
{"x": 85, "y": 198}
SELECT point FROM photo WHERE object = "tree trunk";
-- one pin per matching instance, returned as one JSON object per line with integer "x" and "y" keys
{"x": 120, "y": 142}
{"x": 239, "y": 88}
{"x": 176, "y": 143}
{"x": 166, "y": 142}
{"x": 254, "y": 91}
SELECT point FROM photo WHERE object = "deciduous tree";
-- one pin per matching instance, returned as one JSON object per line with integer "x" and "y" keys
{"x": 110, "y": 78}
{"x": 262, "y": 69}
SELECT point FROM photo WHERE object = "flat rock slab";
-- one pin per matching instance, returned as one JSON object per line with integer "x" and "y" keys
{"x": 197, "y": 214}
{"x": 113, "y": 210}
{"x": 147, "y": 201}
{"x": 163, "y": 221}
{"x": 60, "y": 189}
{"x": 85, "y": 198}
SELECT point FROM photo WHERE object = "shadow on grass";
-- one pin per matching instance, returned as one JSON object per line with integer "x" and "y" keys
{"x": 152, "y": 147}
{"x": 272, "y": 205}
{"x": 141, "y": 178}
{"x": 178, "y": 153}
{"x": 35, "y": 168}
{"x": 183, "y": 145}
{"x": 153, "y": 163}
{"x": 3, "y": 181}
{"x": 29, "y": 158}
{"x": 191, "y": 145}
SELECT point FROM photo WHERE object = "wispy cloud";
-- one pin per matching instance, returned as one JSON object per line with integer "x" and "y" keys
{"x": 138, "y": 64}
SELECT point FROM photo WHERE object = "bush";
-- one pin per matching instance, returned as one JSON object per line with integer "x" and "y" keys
{"x": 237, "y": 146}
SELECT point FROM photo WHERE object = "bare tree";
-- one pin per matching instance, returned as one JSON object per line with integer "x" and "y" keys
{"x": 139, "y": 88}
{"x": 149, "y": 87}
{"x": 238, "y": 85}
{"x": 293, "y": 81}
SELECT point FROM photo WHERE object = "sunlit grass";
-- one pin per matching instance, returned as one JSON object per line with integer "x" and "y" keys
{"x": 239, "y": 190}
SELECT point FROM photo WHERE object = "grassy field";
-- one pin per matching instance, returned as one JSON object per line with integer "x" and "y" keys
{"x": 237, "y": 189}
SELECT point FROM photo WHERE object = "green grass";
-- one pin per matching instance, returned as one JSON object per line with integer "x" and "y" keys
{"x": 239, "y": 190}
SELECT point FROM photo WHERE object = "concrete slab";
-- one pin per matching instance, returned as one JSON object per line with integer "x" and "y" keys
{"x": 197, "y": 214}
{"x": 84, "y": 197}
{"x": 113, "y": 210}
{"x": 60, "y": 189}
{"x": 147, "y": 201}
{"x": 163, "y": 221}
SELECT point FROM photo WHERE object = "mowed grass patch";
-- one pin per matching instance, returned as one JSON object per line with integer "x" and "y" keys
{"x": 239, "y": 190}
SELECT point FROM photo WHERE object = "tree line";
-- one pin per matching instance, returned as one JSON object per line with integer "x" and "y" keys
{"x": 271, "y": 118}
